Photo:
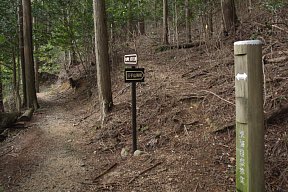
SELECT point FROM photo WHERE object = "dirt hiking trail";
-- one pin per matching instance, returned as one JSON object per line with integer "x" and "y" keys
{"x": 45, "y": 157}
{"x": 183, "y": 108}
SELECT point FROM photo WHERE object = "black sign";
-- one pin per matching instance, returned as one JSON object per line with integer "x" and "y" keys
{"x": 130, "y": 59}
{"x": 134, "y": 75}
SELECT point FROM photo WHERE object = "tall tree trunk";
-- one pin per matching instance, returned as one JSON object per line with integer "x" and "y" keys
{"x": 102, "y": 58}
{"x": 28, "y": 51}
{"x": 1, "y": 91}
{"x": 250, "y": 6}
{"x": 17, "y": 100}
{"x": 154, "y": 15}
{"x": 141, "y": 26}
{"x": 37, "y": 84}
{"x": 129, "y": 22}
{"x": 141, "y": 21}
{"x": 210, "y": 18}
{"x": 188, "y": 21}
{"x": 165, "y": 22}
{"x": 21, "y": 50}
{"x": 176, "y": 23}
{"x": 229, "y": 16}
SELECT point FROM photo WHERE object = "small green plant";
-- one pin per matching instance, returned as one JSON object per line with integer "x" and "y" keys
{"x": 273, "y": 5}
{"x": 1, "y": 188}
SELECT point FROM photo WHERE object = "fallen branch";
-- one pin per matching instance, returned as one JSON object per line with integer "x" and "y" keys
{"x": 182, "y": 46}
{"x": 27, "y": 115}
{"x": 225, "y": 128}
{"x": 122, "y": 91}
{"x": 19, "y": 125}
{"x": 218, "y": 97}
{"x": 105, "y": 172}
{"x": 277, "y": 27}
{"x": 198, "y": 75}
{"x": 191, "y": 97}
{"x": 277, "y": 60}
{"x": 144, "y": 171}
{"x": 7, "y": 152}
{"x": 276, "y": 79}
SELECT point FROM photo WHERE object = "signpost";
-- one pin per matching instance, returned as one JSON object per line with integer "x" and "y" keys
{"x": 249, "y": 116}
{"x": 133, "y": 75}
{"x": 130, "y": 59}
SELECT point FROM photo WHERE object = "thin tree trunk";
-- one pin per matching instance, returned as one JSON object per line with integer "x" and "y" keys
{"x": 210, "y": 22}
{"x": 141, "y": 25}
{"x": 21, "y": 50}
{"x": 37, "y": 84}
{"x": 250, "y": 6}
{"x": 154, "y": 15}
{"x": 141, "y": 21}
{"x": 102, "y": 58}
{"x": 165, "y": 22}
{"x": 176, "y": 24}
{"x": 209, "y": 12}
{"x": 129, "y": 23}
{"x": 14, "y": 71}
{"x": 17, "y": 99}
{"x": 28, "y": 51}
{"x": 188, "y": 22}
{"x": 1, "y": 91}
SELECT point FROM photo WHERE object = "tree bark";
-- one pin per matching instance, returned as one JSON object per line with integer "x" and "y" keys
{"x": 102, "y": 58}
{"x": 141, "y": 21}
{"x": 249, "y": 6}
{"x": 176, "y": 23}
{"x": 37, "y": 83}
{"x": 21, "y": 50}
{"x": 154, "y": 14}
{"x": 17, "y": 100}
{"x": 28, "y": 51}
{"x": 1, "y": 91}
{"x": 229, "y": 16}
{"x": 210, "y": 19}
{"x": 165, "y": 22}
{"x": 36, "y": 47}
{"x": 141, "y": 25}
{"x": 188, "y": 22}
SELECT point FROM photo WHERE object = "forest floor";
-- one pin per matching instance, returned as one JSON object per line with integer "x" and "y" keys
{"x": 183, "y": 107}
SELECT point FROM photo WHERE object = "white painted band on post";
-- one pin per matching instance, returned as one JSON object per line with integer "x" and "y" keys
{"x": 249, "y": 42}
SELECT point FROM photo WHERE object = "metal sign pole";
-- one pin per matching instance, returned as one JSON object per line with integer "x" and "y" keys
{"x": 133, "y": 75}
{"x": 134, "y": 113}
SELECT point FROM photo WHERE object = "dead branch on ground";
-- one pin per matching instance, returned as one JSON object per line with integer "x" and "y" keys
{"x": 144, "y": 171}
{"x": 105, "y": 172}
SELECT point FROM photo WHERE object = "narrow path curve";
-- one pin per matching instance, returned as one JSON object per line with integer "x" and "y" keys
{"x": 45, "y": 157}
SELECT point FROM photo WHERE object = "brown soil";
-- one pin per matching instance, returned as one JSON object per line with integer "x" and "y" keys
{"x": 187, "y": 97}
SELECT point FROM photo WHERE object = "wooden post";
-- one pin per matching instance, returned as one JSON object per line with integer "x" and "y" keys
{"x": 249, "y": 116}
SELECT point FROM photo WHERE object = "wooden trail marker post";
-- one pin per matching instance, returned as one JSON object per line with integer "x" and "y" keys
{"x": 249, "y": 116}
{"x": 133, "y": 75}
